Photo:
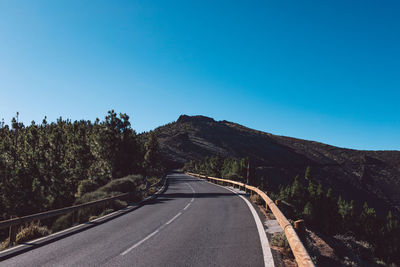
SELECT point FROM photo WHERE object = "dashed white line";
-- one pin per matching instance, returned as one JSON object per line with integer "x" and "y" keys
{"x": 140, "y": 242}
{"x": 162, "y": 226}
{"x": 176, "y": 216}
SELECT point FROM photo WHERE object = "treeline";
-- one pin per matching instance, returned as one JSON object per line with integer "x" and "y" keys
{"x": 217, "y": 166}
{"x": 321, "y": 209}
{"x": 48, "y": 165}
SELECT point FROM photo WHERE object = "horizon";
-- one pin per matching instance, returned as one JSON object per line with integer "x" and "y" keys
{"x": 327, "y": 72}
{"x": 174, "y": 121}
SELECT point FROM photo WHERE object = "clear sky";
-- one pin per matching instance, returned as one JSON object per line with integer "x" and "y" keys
{"x": 320, "y": 70}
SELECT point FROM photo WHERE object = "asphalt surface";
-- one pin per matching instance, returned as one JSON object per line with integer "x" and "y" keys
{"x": 193, "y": 223}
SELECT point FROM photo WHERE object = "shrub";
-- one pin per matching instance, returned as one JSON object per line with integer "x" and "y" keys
{"x": 32, "y": 231}
{"x": 115, "y": 187}
{"x": 280, "y": 240}
{"x": 123, "y": 185}
{"x": 62, "y": 222}
{"x": 85, "y": 186}
{"x": 256, "y": 199}
{"x": 153, "y": 180}
{"x": 4, "y": 244}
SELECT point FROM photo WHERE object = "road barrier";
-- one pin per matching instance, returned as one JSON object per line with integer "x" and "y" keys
{"x": 299, "y": 251}
{"x": 15, "y": 222}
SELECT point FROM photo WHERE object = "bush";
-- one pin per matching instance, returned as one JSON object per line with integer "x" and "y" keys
{"x": 62, "y": 222}
{"x": 85, "y": 186}
{"x": 256, "y": 199}
{"x": 91, "y": 196}
{"x": 32, "y": 231}
{"x": 123, "y": 185}
{"x": 4, "y": 244}
{"x": 126, "y": 184}
{"x": 280, "y": 240}
{"x": 153, "y": 180}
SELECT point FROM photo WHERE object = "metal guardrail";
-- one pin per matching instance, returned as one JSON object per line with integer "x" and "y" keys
{"x": 299, "y": 251}
{"x": 12, "y": 223}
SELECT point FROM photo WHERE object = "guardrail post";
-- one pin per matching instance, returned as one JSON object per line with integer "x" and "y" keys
{"x": 300, "y": 227}
{"x": 73, "y": 217}
{"x": 13, "y": 233}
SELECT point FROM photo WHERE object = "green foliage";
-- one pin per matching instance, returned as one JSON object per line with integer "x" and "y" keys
{"x": 131, "y": 183}
{"x": 62, "y": 222}
{"x": 50, "y": 165}
{"x": 152, "y": 156}
{"x": 216, "y": 166}
{"x": 331, "y": 215}
{"x": 85, "y": 186}
{"x": 280, "y": 240}
{"x": 308, "y": 174}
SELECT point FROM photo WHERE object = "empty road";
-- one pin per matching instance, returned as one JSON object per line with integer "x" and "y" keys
{"x": 193, "y": 223}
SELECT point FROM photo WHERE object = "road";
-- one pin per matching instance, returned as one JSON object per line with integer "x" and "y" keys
{"x": 193, "y": 223}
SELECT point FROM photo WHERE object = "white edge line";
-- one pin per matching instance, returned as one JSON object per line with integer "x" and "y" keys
{"x": 266, "y": 249}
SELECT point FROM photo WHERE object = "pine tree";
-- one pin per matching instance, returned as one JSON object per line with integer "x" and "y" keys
{"x": 308, "y": 212}
{"x": 152, "y": 155}
{"x": 308, "y": 174}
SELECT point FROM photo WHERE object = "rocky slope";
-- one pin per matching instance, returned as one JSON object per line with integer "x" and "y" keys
{"x": 373, "y": 176}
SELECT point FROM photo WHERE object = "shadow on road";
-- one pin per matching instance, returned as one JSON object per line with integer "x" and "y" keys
{"x": 196, "y": 195}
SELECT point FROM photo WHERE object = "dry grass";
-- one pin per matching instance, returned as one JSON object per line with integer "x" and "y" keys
{"x": 32, "y": 231}
{"x": 280, "y": 240}
{"x": 151, "y": 191}
{"x": 27, "y": 233}
{"x": 256, "y": 199}
{"x": 4, "y": 244}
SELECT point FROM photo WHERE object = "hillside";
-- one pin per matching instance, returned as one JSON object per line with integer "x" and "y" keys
{"x": 361, "y": 175}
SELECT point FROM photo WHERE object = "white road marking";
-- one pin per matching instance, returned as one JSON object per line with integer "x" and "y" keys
{"x": 140, "y": 242}
{"x": 193, "y": 194}
{"x": 268, "y": 259}
{"x": 162, "y": 226}
{"x": 176, "y": 216}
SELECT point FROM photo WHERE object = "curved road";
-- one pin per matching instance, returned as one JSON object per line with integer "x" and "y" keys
{"x": 193, "y": 223}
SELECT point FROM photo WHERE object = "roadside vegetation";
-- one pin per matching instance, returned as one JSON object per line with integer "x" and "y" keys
{"x": 53, "y": 165}
{"x": 370, "y": 238}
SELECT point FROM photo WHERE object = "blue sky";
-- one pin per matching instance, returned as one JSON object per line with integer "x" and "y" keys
{"x": 320, "y": 70}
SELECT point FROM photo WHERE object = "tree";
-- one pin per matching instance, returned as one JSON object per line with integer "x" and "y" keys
{"x": 297, "y": 194}
{"x": 152, "y": 155}
{"x": 308, "y": 174}
{"x": 368, "y": 223}
{"x": 308, "y": 212}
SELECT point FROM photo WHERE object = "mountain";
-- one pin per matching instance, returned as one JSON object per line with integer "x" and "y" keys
{"x": 372, "y": 176}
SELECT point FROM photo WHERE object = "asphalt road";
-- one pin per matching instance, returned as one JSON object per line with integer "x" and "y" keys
{"x": 193, "y": 223}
